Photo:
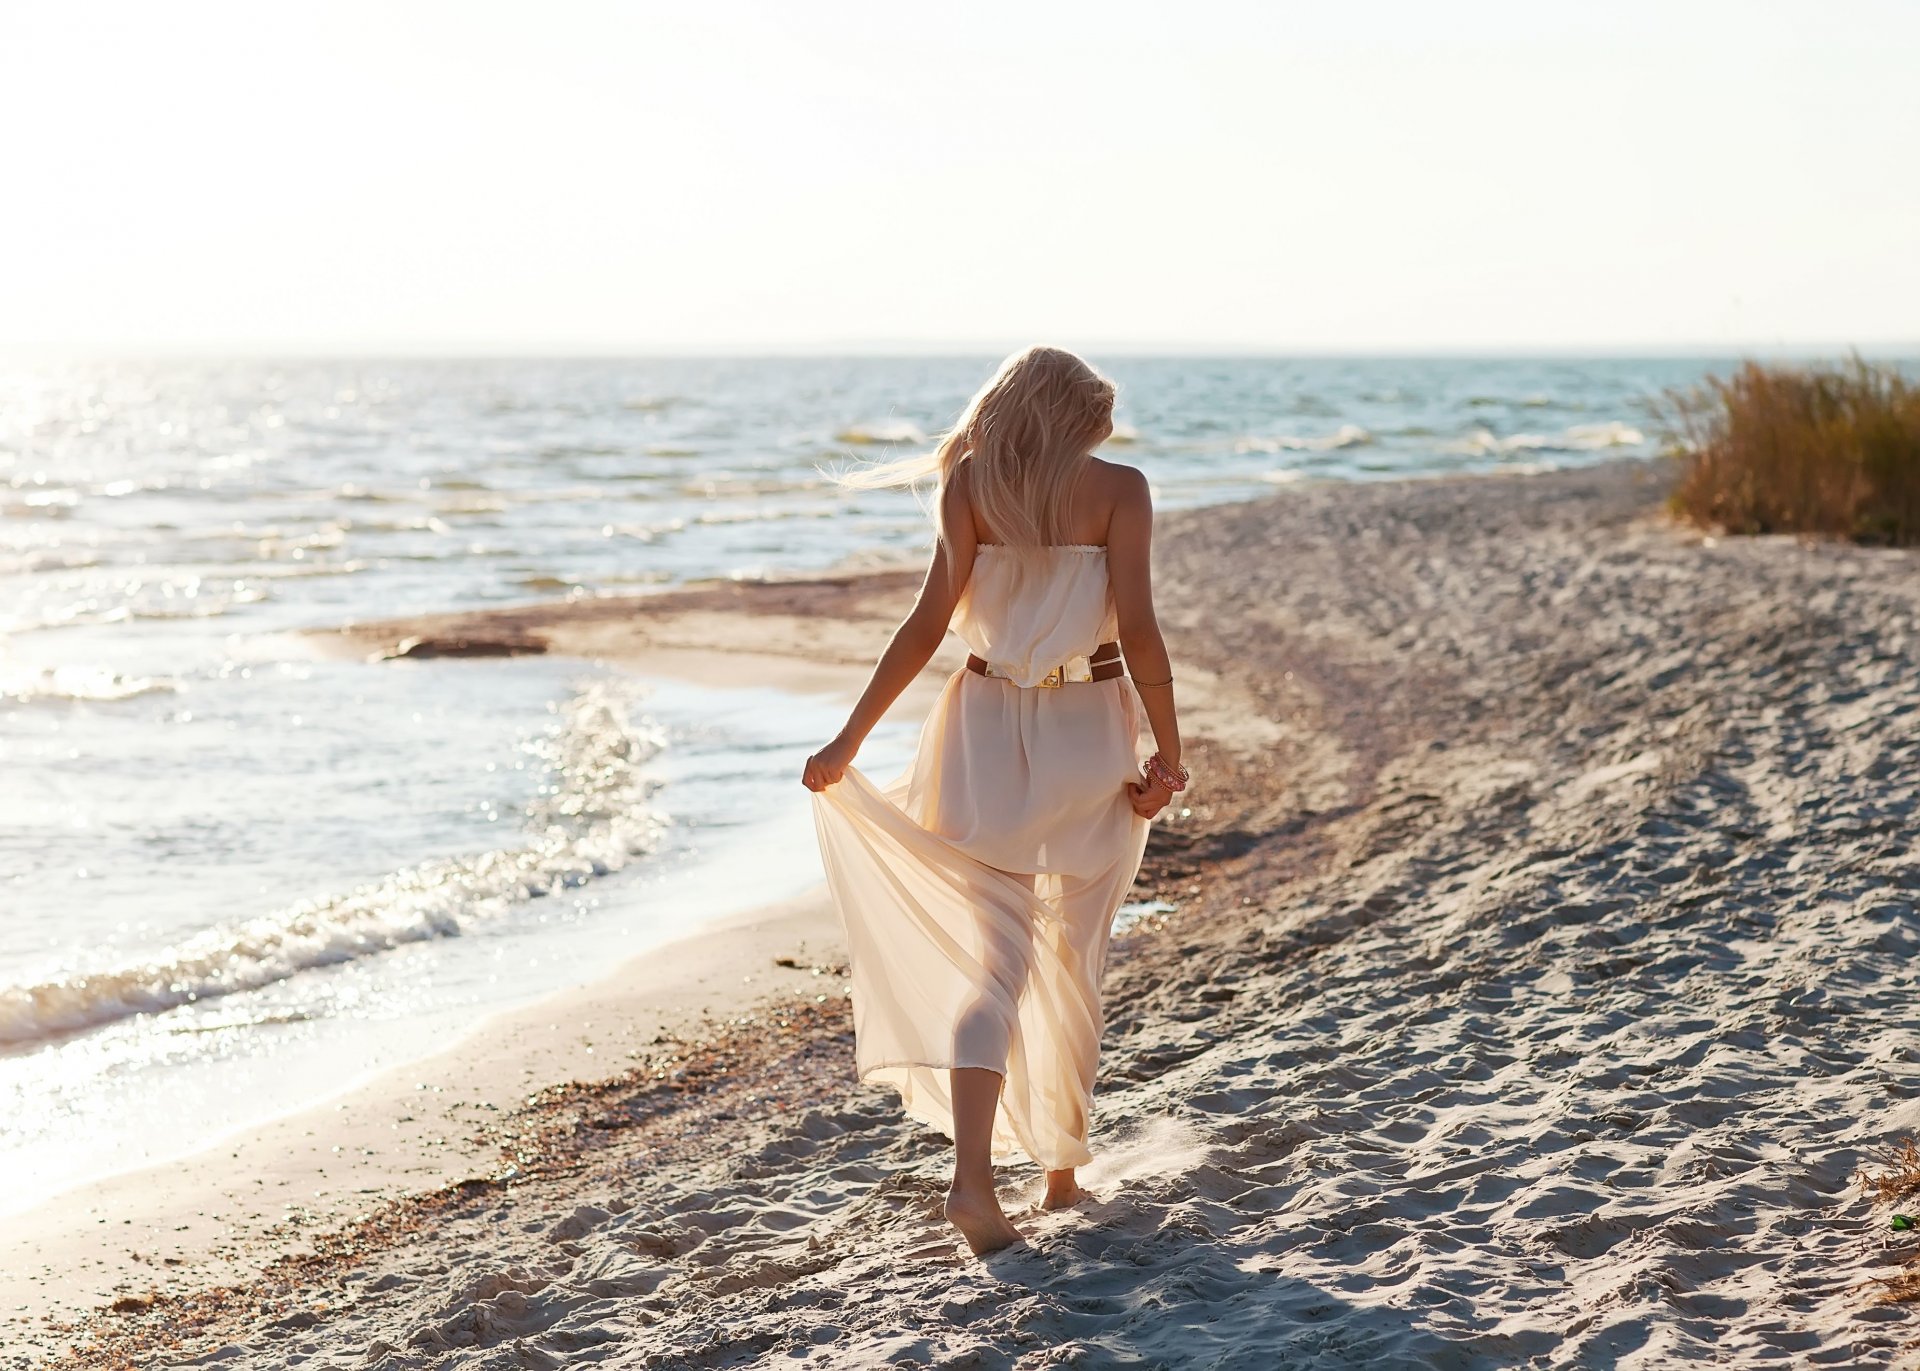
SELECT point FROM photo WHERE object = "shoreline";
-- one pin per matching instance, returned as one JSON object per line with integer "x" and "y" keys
{"x": 1500, "y": 973}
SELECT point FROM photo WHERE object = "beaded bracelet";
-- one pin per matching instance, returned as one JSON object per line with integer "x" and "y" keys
{"x": 1173, "y": 778}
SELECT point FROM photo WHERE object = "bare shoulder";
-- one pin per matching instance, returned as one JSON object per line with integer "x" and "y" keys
{"x": 1117, "y": 478}
{"x": 959, "y": 483}
{"x": 1120, "y": 487}
{"x": 956, "y": 499}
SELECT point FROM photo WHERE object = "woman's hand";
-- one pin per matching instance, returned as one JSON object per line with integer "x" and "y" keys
{"x": 1147, "y": 796}
{"x": 829, "y": 764}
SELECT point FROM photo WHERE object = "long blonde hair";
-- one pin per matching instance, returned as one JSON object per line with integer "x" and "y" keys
{"x": 1025, "y": 437}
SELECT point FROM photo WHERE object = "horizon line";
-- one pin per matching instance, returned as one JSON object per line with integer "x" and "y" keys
{"x": 953, "y": 348}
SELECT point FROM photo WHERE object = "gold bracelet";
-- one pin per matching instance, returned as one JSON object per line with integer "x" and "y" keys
{"x": 1151, "y": 685}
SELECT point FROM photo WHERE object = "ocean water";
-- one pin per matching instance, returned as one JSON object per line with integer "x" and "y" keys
{"x": 234, "y": 877}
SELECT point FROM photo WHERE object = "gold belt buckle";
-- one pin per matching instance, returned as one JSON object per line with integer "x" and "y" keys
{"x": 1051, "y": 681}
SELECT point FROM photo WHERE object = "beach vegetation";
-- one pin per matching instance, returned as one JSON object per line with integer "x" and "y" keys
{"x": 1889, "y": 1177}
{"x": 1896, "y": 1173}
{"x": 1831, "y": 449}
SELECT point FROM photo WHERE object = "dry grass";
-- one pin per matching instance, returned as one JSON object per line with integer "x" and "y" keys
{"x": 1822, "y": 449}
{"x": 1899, "y": 1174}
{"x": 1895, "y": 1176}
{"x": 1901, "y": 1289}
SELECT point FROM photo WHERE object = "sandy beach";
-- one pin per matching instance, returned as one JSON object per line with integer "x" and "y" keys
{"x": 1537, "y": 984}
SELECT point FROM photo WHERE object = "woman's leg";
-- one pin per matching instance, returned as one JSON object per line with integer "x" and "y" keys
{"x": 982, "y": 1031}
{"x": 972, "y": 1206}
{"x": 1079, "y": 946}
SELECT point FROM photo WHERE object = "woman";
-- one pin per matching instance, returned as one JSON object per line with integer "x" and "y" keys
{"x": 978, "y": 892}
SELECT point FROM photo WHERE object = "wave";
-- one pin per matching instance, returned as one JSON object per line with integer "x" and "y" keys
{"x": 425, "y": 523}
{"x": 882, "y": 433}
{"x": 1347, "y": 435}
{"x": 203, "y": 606}
{"x": 543, "y": 582}
{"x": 1612, "y": 434}
{"x": 301, "y": 571}
{"x": 51, "y": 503}
{"x": 82, "y": 683}
{"x": 591, "y": 817}
{"x": 724, "y": 484}
{"x": 353, "y": 490}
{"x": 36, "y": 560}
{"x": 1483, "y": 442}
{"x": 760, "y": 514}
{"x": 81, "y": 613}
{"x": 559, "y": 452}
{"x": 1537, "y": 399}
{"x": 114, "y": 490}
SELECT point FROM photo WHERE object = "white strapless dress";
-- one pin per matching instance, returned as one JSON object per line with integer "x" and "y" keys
{"x": 978, "y": 890}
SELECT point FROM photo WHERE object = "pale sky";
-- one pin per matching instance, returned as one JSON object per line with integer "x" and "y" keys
{"x": 716, "y": 174}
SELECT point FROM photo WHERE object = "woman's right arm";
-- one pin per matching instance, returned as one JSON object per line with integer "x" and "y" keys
{"x": 1130, "y": 569}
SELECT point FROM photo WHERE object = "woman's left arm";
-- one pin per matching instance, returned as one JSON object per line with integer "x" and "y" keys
{"x": 913, "y": 643}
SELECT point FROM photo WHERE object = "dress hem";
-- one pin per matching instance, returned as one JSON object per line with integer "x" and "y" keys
{"x": 944, "y": 1123}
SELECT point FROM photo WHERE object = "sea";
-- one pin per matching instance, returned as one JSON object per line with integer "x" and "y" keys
{"x": 237, "y": 875}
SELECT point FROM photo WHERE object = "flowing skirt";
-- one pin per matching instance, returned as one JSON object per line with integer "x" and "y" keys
{"x": 978, "y": 892}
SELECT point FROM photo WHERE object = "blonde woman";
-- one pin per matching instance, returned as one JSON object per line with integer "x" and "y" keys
{"x": 979, "y": 890}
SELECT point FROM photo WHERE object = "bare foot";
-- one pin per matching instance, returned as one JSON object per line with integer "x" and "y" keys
{"x": 980, "y": 1221}
{"x": 1062, "y": 1195}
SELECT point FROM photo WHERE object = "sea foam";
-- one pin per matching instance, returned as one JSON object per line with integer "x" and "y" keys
{"x": 1346, "y": 436}
{"x": 76, "y": 683}
{"x": 1482, "y": 442}
{"x": 884, "y": 432}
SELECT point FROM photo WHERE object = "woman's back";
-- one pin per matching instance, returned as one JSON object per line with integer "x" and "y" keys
{"x": 1028, "y": 620}
{"x": 1026, "y": 611}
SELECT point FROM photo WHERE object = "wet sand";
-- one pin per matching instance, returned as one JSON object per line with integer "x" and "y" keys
{"x": 1540, "y": 984}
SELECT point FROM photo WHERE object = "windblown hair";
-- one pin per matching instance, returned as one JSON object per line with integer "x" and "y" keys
{"x": 1024, "y": 438}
